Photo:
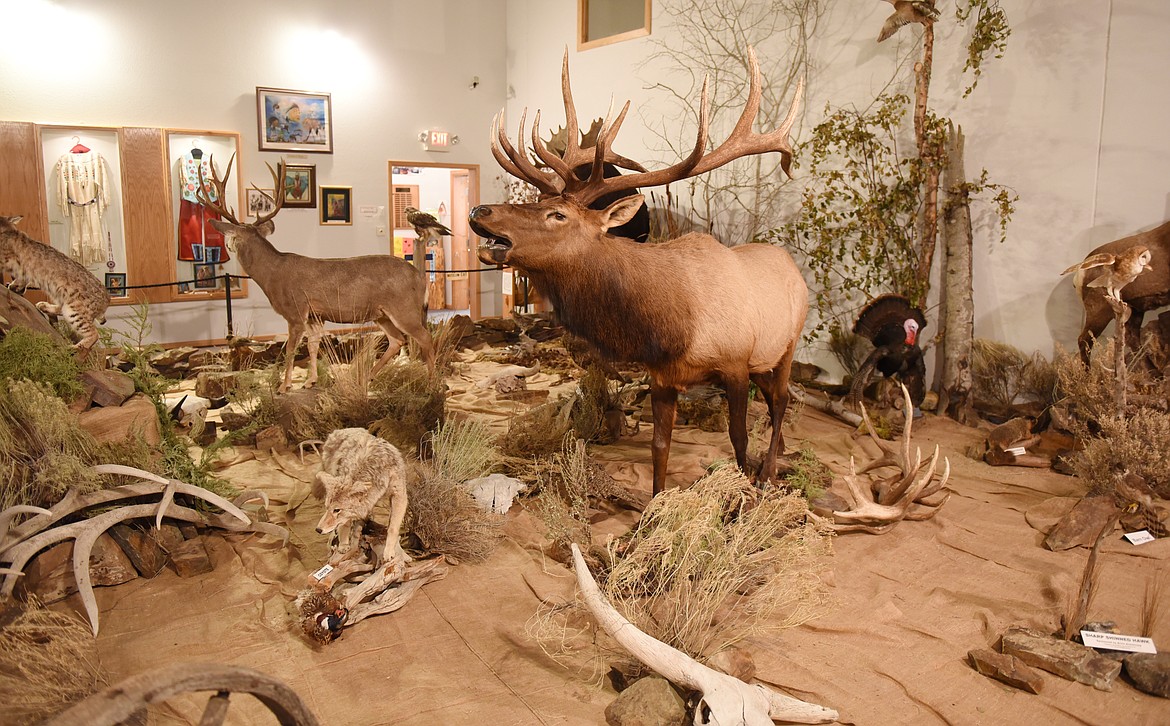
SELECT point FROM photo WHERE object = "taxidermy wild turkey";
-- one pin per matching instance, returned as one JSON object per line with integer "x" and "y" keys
{"x": 891, "y": 323}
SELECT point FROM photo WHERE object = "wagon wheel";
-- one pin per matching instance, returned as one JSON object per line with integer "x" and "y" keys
{"x": 120, "y": 702}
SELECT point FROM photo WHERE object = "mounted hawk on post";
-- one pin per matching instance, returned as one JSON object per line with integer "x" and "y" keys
{"x": 421, "y": 221}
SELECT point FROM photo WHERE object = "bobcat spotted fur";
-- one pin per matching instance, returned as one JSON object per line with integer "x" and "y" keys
{"x": 74, "y": 292}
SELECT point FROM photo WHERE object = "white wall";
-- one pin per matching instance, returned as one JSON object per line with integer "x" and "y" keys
{"x": 393, "y": 67}
{"x": 1073, "y": 118}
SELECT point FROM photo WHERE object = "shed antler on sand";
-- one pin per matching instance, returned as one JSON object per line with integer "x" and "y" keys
{"x": 309, "y": 292}
{"x": 726, "y": 700}
{"x": 690, "y": 309}
{"x": 18, "y": 545}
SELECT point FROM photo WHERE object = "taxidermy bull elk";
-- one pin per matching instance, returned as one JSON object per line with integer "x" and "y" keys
{"x": 690, "y": 309}
{"x": 1147, "y": 291}
{"x": 308, "y": 292}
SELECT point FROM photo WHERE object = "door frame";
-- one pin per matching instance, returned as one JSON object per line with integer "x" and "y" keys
{"x": 472, "y": 201}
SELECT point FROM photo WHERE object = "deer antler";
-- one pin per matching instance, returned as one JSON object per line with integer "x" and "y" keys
{"x": 560, "y": 179}
{"x": 218, "y": 184}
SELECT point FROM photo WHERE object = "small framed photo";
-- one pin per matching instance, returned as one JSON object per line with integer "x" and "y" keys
{"x": 291, "y": 120}
{"x": 211, "y": 254}
{"x": 205, "y": 277}
{"x": 260, "y": 202}
{"x": 197, "y": 252}
{"x": 116, "y": 284}
{"x": 300, "y": 186}
{"x": 336, "y": 205}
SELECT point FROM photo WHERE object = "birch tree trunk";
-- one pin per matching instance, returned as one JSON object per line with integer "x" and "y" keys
{"x": 959, "y": 310}
{"x": 928, "y": 227}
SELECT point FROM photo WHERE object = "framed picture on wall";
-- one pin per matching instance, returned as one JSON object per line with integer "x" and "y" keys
{"x": 205, "y": 277}
{"x": 259, "y": 202}
{"x": 294, "y": 120}
{"x": 336, "y": 205}
{"x": 116, "y": 284}
{"x": 300, "y": 186}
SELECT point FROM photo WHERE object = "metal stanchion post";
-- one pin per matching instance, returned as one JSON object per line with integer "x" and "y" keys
{"x": 227, "y": 296}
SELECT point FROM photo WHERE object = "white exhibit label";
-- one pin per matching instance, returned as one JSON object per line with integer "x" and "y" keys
{"x": 1016, "y": 451}
{"x": 1116, "y": 641}
{"x": 368, "y": 210}
{"x": 1139, "y": 537}
{"x": 322, "y": 573}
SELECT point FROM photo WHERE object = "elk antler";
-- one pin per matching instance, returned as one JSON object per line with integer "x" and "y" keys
{"x": 878, "y": 506}
{"x": 730, "y": 701}
{"x": 559, "y": 179}
{"x": 218, "y": 184}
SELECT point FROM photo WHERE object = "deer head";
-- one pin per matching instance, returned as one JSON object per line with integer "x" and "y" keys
{"x": 263, "y": 225}
{"x": 514, "y": 231}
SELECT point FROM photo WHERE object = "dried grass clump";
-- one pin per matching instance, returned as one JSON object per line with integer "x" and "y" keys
{"x": 27, "y": 354}
{"x": 1138, "y": 444}
{"x": 446, "y": 520}
{"x": 464, "y": 449}
{"x": 849, "y": 348}
{"x": 43, "y": 452}
{"x": 567, "y": 481}
{"x": 538, "y": 432}
{"x": 48, "y": 661}
{"x": 594, "y": 398}
{"x": 711, "y": 565}
{"x": 1002, "y": 374}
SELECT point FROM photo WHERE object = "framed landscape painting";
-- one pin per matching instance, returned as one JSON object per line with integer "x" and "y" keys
{"x": 291, "y": 120}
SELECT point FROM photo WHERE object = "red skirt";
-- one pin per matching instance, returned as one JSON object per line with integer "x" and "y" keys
{"x": 198, "y": 240}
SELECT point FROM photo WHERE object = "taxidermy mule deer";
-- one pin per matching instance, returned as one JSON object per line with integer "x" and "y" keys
{"x": 1146, "y": 292}
{"x": 690, "y": 309}
{"x": 75, "y": 293}
{"x": 308, "y": 292}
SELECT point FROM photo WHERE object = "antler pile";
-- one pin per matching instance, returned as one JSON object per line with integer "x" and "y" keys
{"x": 19, "y": 545}
{"x": 879, "y": 504}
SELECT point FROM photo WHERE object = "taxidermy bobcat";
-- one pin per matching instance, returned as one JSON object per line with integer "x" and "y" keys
{"x": 358, "y": 469}
{"x": 76, "y": 294}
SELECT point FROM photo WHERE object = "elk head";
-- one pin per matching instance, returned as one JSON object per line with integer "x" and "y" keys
{"x": 517, "y": 234}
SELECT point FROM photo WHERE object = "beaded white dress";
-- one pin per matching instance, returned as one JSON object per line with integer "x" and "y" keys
{"x": 83, "y": 193}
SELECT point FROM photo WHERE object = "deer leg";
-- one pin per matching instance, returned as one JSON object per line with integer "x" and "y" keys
{"x": 417, "y": 329}
{"x": 663, "y": 401}
{"x": 296, "y": 330}
{"x": 316, "y": 330}
{"x": 394, "y": 341}
{"x": 736, "y": 385}
{"x": 1098, "y": 315}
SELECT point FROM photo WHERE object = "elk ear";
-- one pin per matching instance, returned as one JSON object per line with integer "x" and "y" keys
{"x": 265, "y": 229}
{"x": 621, "y": 211}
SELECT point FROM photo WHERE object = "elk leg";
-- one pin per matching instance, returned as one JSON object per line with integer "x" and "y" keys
{"x": 316, "y": 330}
{"x": 663, "y": 400}
{"x": 736, "y": 385}
{"x": 295, "y": 332}
{"x": 777, "y": 406}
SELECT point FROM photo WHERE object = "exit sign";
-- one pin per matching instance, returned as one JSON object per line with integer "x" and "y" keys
{"x": 436, "y": 140}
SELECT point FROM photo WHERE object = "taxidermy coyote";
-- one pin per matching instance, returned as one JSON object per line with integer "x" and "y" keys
{"x": 358, "y": 469}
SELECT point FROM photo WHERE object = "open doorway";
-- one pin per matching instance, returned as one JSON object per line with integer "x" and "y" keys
{"x": 448, "y": 192}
